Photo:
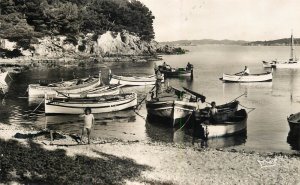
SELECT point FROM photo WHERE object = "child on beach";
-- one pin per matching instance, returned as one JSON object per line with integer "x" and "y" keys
{"x": 89, "y": 121}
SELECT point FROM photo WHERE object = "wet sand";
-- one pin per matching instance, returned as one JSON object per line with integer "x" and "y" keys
{"x": 115, "y": 161}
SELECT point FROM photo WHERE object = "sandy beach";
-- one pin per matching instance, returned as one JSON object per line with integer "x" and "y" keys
{"x": 115, "y": 161}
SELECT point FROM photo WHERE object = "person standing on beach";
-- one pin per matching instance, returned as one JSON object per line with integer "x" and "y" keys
{"x": 89, "y": 122}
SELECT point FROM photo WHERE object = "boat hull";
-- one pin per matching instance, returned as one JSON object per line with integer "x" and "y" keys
{"x": 267, "y": 77}
{"x": 74, "y": 107}
{"x": 133, "y": 81}
{"x": 103, "y": 92}
{"x": 286, "y": 65}
{"x": 185, "y": 73}
{"x": 226, "y": 128}
{"x": 38, "y": 91}
{"x": 160, "y": 109}
{"x": 294, "y": 120}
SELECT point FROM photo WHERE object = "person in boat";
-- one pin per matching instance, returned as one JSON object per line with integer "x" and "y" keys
{"x": 213, "y": 111}
{"x": 89, "y": 122}
{"x": 157, "y": 86}
{"x": 189, "y": 66}
{"x": 246, "y": 71}
{"x": 164, "y": 65}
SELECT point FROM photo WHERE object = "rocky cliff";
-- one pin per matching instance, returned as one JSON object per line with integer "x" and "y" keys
{"x": 107, "y": 44}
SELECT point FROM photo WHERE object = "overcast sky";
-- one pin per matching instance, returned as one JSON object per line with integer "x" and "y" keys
{"x": 225, "y": 19}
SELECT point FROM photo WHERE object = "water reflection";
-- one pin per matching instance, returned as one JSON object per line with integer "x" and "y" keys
{"x": 159, "y": 132}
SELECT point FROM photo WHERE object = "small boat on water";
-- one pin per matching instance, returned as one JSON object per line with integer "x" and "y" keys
{"x": 234, "y": 124}
{"x": 109, "y": 103}
{"x": 174, "y": 109}
{"x": 169, "y": 71}
{"x": 240, "y": 78}
{"x": 268, "y": 64}
{"x": 72, "y": 86}
{"x": 3, "y": 75}
{"x": 134, "y": 80}
{"x": 292, "y": 63}
{"x": 92, "y": 93}
{"x": 294, "y": 120}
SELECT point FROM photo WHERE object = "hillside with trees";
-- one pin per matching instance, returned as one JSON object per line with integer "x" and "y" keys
{"x": 26, "y": 21}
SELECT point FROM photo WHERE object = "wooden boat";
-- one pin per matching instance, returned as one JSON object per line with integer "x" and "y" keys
{"x": 294, "y": 120}
{"x": 133, "y": 80}
{"x": 268, "y": 64}
{"x": 168, "y": 71}
{"x": 72, "y": 86}
{"x": 233, "y": 125}
{"x": 3, "y": 76}
{"x": 175, "y": 111}
{"x": 109, "y": 103}
{"x": 240, "y": 78}
{"x": 292, "y": 63}
{"x": 92, "y": 93}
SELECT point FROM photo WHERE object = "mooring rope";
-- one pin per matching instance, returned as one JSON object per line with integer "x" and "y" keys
{"x": 251, "y": 109}
{"x": 38, "y": 106}
{"x": 186, "y": 121}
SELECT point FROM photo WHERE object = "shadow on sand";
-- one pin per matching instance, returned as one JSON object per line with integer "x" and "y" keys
{"x": 34, "y": 164}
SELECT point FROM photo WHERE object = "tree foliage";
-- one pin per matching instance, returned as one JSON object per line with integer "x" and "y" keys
{"x": 34, "y": 18}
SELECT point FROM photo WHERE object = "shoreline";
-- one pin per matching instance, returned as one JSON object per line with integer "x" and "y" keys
{"x": 115, "y": 161}
{"x": 75, "y": 61}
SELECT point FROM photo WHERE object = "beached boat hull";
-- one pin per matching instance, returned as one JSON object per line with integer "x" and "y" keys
{"x": 160, "y": 109}
{"x": 267, "y": 77}
{"x": 294, "y": 120}
{"x": 3, "y": 76}
{"x": 134, "y": 80}
{"x": 104, "y": 90}
{"x": 226, "y": 128}
{"x": 39, "y": 91}
{"x": 73, "y": 106}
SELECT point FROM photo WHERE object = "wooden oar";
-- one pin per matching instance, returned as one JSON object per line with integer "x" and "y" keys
{"x": 62, "y": 94}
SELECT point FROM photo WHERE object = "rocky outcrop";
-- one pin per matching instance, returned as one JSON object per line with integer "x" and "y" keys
{"x": 107, "y": 44}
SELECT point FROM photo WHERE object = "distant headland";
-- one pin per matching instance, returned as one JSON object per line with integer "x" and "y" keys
{"x": 277, "y": 42}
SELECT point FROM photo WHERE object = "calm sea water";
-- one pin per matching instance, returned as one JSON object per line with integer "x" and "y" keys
{"x": 267, "y": 125}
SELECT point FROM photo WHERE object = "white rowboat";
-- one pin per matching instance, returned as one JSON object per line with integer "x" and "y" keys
{"x": 265, "y": 77}
{"x": 102, "y": 104}
{"x": 235, "y": 124}
{"x": 133, "y": 80}
{"x": 97, "y": 92}
{"x": 72, "y": 86}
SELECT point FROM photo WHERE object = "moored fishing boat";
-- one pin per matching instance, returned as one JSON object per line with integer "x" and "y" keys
{"x": 109, "y": 103}
{"x": 169, "y": 71}
{"x": 134, "y": 80}
{"x": 240, "y": 78}
{"x": 72, "y": 86}
{"x": 294, "y": 120}
{"x": 292, "y": 63}
{"x": 235, "y": 124}
{"x": 268, "y": 64}
{"x": 176, "y": 109}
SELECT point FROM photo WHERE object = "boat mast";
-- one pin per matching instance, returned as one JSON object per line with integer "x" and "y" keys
{"x": 292, "y": 47}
